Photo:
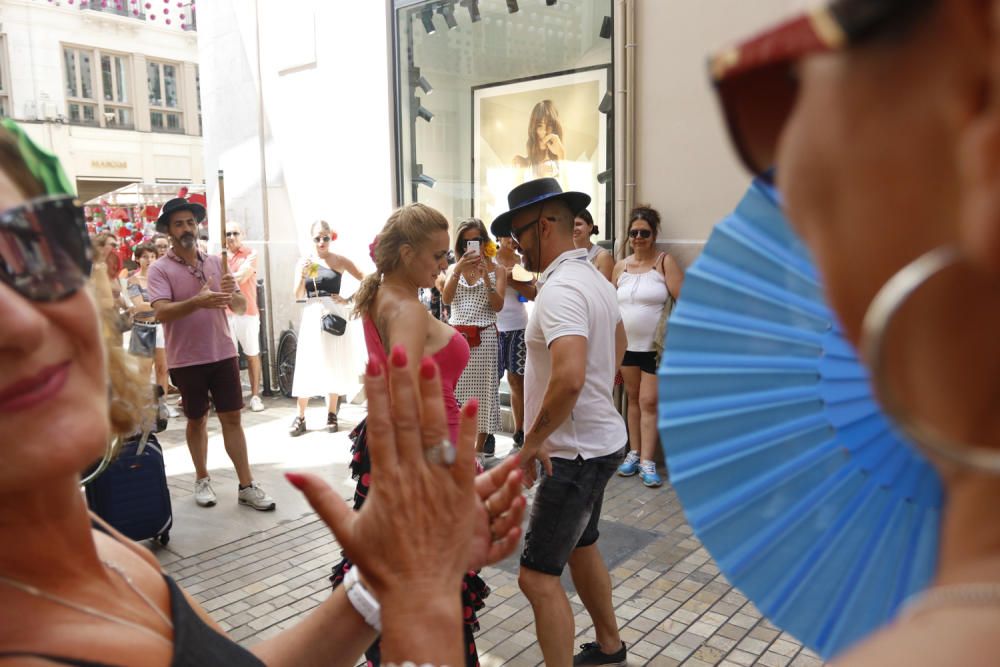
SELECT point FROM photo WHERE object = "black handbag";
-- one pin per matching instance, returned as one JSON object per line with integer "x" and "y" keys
{"x": 334, "y": 324}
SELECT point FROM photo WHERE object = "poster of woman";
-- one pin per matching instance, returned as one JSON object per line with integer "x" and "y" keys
{"x": 543, "y": 126}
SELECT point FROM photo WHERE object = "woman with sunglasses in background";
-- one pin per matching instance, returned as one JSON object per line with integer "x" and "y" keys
{"x": 475, "y": 290}
{"x": 75, "y": 592}
{"x": 326, "y": 364}
{"x": 886, "y": 148}
{"x": 648, "y": 282}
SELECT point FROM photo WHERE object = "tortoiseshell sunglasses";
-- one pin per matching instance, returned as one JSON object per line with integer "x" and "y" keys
{"x": 754, "y": 80}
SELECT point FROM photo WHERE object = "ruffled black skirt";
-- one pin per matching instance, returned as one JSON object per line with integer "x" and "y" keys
{"x": 474, "y": 589}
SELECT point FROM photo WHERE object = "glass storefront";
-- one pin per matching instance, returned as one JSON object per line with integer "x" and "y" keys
{"x": 491, "y": 93}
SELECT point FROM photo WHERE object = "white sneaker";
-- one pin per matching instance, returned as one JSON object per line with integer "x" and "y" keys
{"x": 172, "y": 412}
{"x": 203, "y": 493}
{"x": 255, "y": 497}
{"x": 256, "y": 405}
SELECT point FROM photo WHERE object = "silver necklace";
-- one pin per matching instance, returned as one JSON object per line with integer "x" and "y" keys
{"x": 85, "y": 609}
{"x": 959, "y": 595}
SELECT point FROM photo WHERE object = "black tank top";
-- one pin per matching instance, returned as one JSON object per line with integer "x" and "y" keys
{"x": 195, "y": 642}
{"x": 327, "y": 282}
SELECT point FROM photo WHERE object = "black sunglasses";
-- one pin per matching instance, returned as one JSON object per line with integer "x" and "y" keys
{"x": 45, "y": 253}
{"x": 232, "y": 234}
{"x": 755, "y": 83}
{"x": 640, "y": 233}
{"x": 319, "y": 239}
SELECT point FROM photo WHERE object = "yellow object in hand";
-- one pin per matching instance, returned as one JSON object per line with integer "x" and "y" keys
{"x": 313, "y": 270}
{"x": 490, "y": 249}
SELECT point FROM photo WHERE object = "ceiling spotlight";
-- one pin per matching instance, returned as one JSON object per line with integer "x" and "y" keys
{"x": 605, "y": 176}
{"x": 427, "y": 16}
{"x": 423, "y": 112}
{"x": 607, "y": 104}
{"x": 473, "y": 7}
{"x": 448, "y": 12}
{"x": 512, "y": 6}
{"x": 418, "y": 80}
{"x": 606, "y": 27}
{"x": 420, "y": 178}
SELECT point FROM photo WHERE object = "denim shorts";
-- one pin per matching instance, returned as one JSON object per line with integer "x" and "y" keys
{"x": 566, "y": 510}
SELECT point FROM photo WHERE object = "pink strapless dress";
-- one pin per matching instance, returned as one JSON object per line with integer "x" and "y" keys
{"x": 451, "y": 359}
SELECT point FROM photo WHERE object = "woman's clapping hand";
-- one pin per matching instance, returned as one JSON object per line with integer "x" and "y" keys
{"x": 423, "y": 524}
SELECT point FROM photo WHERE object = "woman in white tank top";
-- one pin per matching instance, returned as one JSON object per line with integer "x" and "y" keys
{"x": 647, "y": 283}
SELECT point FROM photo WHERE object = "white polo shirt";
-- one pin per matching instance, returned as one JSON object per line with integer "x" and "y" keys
{"x": 576, "y": 300}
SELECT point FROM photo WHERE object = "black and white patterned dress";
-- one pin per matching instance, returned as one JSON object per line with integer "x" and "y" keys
{"x": 471, "y": 307}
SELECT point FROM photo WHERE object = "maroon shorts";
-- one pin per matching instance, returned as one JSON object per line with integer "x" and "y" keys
{"x": 221, "y": 378}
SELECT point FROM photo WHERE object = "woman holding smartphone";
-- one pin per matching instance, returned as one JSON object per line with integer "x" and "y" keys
{"x": 475, "y": 291}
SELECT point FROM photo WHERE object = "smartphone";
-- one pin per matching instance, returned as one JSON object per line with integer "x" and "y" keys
{"x": 472, "y": 247}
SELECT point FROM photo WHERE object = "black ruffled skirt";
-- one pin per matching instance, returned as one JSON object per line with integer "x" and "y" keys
{"x": 474, "y": 589}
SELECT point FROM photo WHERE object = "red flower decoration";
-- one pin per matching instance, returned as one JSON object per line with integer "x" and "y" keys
{"x": 371, "y": 248}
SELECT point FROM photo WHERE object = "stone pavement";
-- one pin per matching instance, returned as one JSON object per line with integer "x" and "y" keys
{"x": 258, "y": 573}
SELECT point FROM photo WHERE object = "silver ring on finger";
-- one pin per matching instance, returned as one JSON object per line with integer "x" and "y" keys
{"x": 442, "y": 453}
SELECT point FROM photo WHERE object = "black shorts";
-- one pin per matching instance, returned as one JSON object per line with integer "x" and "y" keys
{"x": 221, "y": 378}
{"x": 566, "y": 510}
{"x": 646, "y": 361}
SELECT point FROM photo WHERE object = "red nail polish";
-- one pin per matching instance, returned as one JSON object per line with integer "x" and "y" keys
{"x": 399, "y": 356}
{"x": 373, "y": 368}
{"x": 427, "y": 368}
{"x": 295, "y": 479}
{"x": 471, "y": 407}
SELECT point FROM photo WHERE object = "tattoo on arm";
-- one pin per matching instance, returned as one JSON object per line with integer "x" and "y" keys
{"x": 544, "y": 419}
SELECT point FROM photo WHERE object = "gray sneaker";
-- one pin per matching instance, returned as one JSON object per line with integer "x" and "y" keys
{"x": 203, "y": 493}
{"x": 255, "y": 497}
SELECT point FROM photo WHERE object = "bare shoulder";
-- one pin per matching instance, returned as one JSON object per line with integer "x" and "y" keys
{"x": 964, "y": 637}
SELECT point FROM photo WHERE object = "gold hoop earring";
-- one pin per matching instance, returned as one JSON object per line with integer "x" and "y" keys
{"x": 882, "y": 309}
{"x": 110, "y": 454}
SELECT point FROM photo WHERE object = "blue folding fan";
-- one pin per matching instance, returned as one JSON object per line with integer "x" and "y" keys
{"x": 789, "y": 473}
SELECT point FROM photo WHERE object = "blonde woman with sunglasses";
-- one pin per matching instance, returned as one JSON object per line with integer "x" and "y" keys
{"x": 73, "y": 591}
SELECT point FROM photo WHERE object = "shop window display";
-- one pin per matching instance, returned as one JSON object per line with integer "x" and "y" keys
{"x": 491, "y": 93}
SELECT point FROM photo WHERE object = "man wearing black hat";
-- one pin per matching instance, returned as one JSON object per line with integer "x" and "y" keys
{"x": 190, "y": 292}
{"x": 575, "y": 432}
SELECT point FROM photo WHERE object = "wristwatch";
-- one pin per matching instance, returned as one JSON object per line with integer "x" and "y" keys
{"x": 362, "y": 600}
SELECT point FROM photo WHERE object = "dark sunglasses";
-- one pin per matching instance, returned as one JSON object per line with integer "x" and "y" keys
{"x": 640, "y": 233}
{"x": 45, "y": 253}
{"x": 321, "y": 239}
{"x": 516, "y": 233}
{"x": 231, "y": 234}
{"x": 755, "y": 82}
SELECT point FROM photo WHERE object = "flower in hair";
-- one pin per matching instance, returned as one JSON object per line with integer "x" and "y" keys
{"x": 371, "y": 248}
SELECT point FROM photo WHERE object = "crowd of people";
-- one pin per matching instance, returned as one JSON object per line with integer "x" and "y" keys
{"x": 427, "y": 517}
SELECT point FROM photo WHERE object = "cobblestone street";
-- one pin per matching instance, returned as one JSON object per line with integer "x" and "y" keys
{"x": 257, "y": 573}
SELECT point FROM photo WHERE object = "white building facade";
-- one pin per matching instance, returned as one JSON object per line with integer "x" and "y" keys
{"x": 111, "y": 91}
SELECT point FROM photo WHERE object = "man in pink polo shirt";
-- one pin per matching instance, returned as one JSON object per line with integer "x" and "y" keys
{"x": 245, "y": 327}
{"x": 190, "y": 293}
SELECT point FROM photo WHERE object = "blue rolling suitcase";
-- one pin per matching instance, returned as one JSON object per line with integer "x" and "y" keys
{"x": 132, "y": 494}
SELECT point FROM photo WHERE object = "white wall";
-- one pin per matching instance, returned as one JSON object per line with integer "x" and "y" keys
{"x": 685, "y": 166}
{"x": 322, "y": 86}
